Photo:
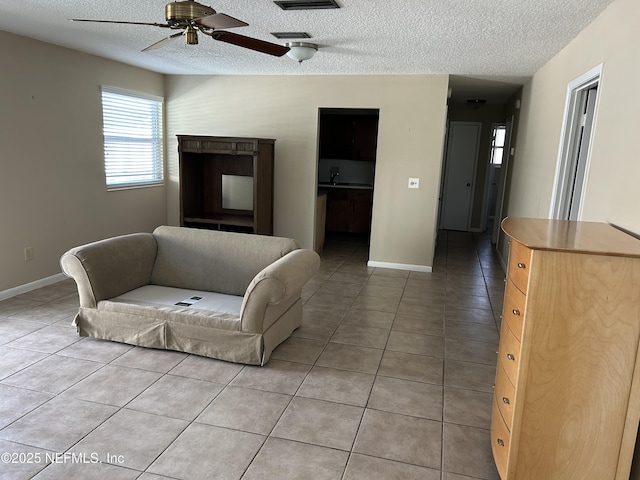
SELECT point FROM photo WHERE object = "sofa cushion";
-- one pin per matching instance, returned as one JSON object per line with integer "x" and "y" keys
{"x": 213, "y": 261}
{"x": 179, "y": 297}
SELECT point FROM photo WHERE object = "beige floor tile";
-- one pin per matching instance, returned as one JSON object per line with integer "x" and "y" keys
{"x": 460, "y": 313}
{"x": 12, "y": 329}
{"x": 209, "y": 369}
{"x": 369, "y": 318}
{"x": 281, "y": 459}
{"x": 58, "y": 424}
{"x": 472, "y": 376}
{"x": 113, "y": 385}
{"x": 86, "y": 471}
{"x": 16, "y": 402}
{"x": 22, "y": 470}
{"x": 103, "y": 351}
{"x": 382, "y": 291}
{"x": 13, "y": 360}
{"x": 301, "y": 350}
{"x": 340, "y": 386}
{"x": 406, "y": 397}
{"x": 421, "y": 309}
{"x": 379, "y": 304}
{"x": 467, "y": 407}
{"x": 245, "y": 409}
{"x": 276, "y": 376}
{"x": 350, "y": 357}
{"x": 363, "y": 467}
{"x": 408, "y": 366}
{"x": 430, "y": 325}
{"x": 205, "y": 451}
{"x": 361, "y": 336}
{"x": 405, "y": 342}
{"x": 472, "y": 331}
{"x": 319, "y": 422}
{"x": 412, "y": 440}
{"x": 150, "y": 359}
{"x": 467, "y": 350}
{"x": 176, "y": 397}
{"x": 49, "y": 339}
{"x": 467, "y": 451}
{"x": 121, "y": 436}
{"x": 387, "y": 281}
{"x": 52, "y": 374}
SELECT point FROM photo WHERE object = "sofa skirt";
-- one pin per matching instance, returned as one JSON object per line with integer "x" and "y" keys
{"x": 191, "y": 333}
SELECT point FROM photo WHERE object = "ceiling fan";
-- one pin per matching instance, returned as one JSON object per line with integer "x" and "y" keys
{"x": 192, "y": 17}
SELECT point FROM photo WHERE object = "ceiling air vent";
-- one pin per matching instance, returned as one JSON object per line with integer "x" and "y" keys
{"x": 306, "y": 4}
{"x": 290, "y": 35}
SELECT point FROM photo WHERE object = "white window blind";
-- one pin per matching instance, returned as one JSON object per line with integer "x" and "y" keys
{"x": 132, "y": 127}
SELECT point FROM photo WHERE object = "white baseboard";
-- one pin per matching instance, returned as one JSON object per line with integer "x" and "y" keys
{"x": 400, "y": 266}
{"x": 27, "y": 287}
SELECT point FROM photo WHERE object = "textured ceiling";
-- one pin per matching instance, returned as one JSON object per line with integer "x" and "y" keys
{"x": 503, "y": 40}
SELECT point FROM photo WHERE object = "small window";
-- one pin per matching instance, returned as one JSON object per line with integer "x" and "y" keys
{"x": 132, "y": 127}
{"x": 497, "y": 144}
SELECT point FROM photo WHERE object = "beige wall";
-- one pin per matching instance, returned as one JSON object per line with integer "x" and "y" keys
{"x": 612, "y": 192}
{"x": 52, "y": 190}
{"x": 410, "y": 138}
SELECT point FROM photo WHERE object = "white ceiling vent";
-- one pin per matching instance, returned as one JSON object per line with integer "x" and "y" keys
{"x": 306, "y": 4}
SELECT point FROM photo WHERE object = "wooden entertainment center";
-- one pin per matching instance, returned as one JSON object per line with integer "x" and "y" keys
{"x": 226, "y": 183}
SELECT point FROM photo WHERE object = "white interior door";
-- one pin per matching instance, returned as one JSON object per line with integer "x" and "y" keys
{"x": 459, "y": 175}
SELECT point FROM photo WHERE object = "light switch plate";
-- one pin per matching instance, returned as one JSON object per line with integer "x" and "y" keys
{"x": 414, "y": 182}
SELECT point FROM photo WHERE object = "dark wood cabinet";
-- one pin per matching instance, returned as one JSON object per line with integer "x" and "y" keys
{"x": 226, "y": 183}
{"x": 348, "y": 136}
{"x": 349, "y": 210}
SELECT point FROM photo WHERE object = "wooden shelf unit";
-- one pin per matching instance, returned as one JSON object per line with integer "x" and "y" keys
{"x": 203, "y": 162}
{"x": 567, "y": 392}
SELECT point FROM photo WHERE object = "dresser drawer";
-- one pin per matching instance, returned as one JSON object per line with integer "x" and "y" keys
{"x": 504, "y": 394}
{"x": 500, "y": 439}
{"x": 509, "y": 353}
{"x": 519, "y": 264}
{"x": 513, "y": 313}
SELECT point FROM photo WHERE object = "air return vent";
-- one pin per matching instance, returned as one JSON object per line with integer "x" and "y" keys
{"x": 306, "y": 4}
{"x": 290, "y": 35}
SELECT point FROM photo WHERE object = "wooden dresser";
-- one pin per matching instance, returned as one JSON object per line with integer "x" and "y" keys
{"x": 567, "y": 392}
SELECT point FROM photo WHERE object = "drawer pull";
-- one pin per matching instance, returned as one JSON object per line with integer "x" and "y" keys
{"x": 515, "y": 311}
{"x": 510, "y": 356}
{"x": 521, "y": 265}
{"x": 501, "y": 442}
{"x": 505, "y": 400}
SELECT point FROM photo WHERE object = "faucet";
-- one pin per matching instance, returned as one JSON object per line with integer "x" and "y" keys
{"x": 332, "y": 177}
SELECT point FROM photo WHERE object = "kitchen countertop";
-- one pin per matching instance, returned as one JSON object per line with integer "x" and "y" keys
{"x": 362, "y": 186}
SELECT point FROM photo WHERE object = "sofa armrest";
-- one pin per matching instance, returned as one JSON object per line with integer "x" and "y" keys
{"x": 276, "y": 284}
{"x": 111, "y": 267}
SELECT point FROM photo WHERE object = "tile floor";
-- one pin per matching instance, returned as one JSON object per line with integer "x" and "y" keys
{"x": 389, "y": 377}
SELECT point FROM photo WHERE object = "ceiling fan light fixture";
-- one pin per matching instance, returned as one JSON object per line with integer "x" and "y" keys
{"x": 301, "y": 51}
{"x": 191, "y": 35}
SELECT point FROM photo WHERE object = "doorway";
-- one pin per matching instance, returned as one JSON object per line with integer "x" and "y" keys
{"x": 575, "y": 146}
{"x": 347, "y": 147}
{"x": 458, "y": 186}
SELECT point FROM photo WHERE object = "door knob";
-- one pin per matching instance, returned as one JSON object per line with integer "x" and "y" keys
{"x": 468, "y": 184}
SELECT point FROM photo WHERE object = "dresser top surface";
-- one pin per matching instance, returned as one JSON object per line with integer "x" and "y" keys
{"x": 579, "y": 237}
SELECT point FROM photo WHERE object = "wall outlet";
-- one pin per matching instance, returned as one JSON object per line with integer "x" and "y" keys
{"x": 28, "y": 254}
{"x": 414, "y": 182}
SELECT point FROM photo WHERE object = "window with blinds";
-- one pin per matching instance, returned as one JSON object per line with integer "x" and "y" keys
{"x": 132, "y": 127}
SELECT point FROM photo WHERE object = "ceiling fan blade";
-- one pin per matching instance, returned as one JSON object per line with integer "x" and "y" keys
{"x": 163, "y": 42}
{"x": 164, "y": 25}
{"x": 219, "y": 21}
{"x": 251, "y": 43}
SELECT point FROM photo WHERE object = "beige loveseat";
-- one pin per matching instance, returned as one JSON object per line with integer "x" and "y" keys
{"x": 230, "y": 296}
